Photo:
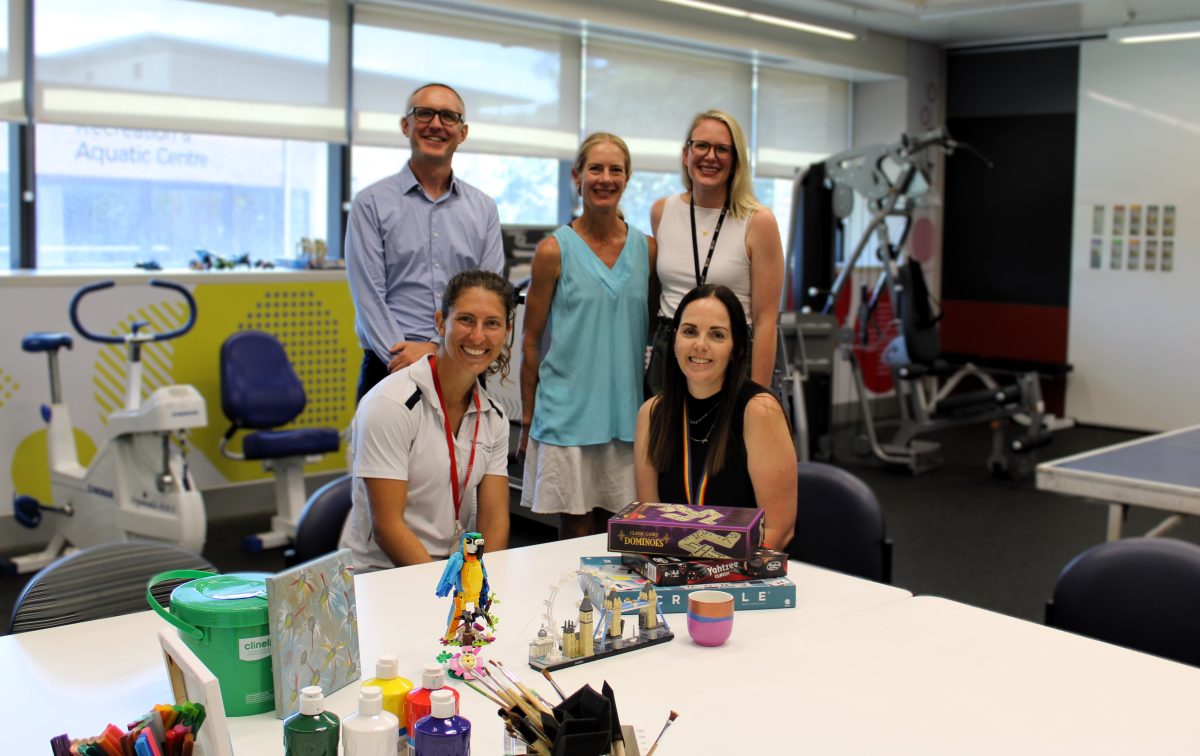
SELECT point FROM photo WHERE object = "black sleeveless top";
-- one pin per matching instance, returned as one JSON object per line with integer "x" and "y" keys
{"x": 731, "y": 487}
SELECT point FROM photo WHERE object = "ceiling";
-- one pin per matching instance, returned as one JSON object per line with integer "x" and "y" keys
{"x": 964, "y": 22}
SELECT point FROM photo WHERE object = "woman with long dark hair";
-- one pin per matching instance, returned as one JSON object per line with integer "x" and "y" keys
{"x": 713, "y": 436}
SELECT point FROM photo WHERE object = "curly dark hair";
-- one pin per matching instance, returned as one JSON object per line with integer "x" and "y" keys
{"x": 498, "y": 285}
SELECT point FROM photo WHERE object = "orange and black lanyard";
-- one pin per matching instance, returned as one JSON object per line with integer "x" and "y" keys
{"x": 458, "y": 494}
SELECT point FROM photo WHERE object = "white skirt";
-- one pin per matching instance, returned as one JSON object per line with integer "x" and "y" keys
{"x": 577, "y": 479}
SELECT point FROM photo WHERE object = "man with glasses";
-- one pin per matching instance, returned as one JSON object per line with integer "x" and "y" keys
{"x": 410, "y": 233}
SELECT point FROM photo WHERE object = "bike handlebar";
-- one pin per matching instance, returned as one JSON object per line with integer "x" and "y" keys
{"x": 104, "y": 339}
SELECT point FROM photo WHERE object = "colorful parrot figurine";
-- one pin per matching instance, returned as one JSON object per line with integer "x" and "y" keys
{"x": 466, "y": 576}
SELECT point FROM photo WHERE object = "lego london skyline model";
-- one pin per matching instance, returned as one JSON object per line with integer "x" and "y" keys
{"x": 588, "y": 638}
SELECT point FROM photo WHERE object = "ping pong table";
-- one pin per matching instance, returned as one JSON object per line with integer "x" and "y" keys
{"x": 1160, "y": 472}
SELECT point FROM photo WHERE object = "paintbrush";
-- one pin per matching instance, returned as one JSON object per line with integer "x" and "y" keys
{"x": 495, "y": 689}
{"x": 486, "y": 695}
{"x": 533, "y": 697}
{"x": 508, "y": 694}
{"x": 549, "y": 679}
{"x": 670, "y": 719}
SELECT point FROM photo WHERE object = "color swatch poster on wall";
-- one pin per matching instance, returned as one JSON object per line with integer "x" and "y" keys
{"x": 1140, "y": 237}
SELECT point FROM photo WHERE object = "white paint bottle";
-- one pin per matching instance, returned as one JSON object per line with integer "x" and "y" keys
{"x": 372, "y": 731}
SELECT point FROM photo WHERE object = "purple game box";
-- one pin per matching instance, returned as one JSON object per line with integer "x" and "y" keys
{"x": 686, "y": 531}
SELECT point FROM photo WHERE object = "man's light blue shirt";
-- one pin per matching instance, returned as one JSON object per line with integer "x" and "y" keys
{"x": 402, "y": 248}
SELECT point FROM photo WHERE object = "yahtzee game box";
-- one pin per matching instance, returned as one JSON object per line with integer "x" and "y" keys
{"x": 666, "y": 570}
{"x": 686, "y": 531}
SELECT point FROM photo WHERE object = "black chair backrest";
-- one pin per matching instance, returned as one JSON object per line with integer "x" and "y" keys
{"x": 839, "y": 524}
{"x": 921, "y": 334}
{"x": 100, "y": 581}
{"x": 320, "y": 524}
{"x": 1141, "y": 593}
{"x": 259, "y": 388}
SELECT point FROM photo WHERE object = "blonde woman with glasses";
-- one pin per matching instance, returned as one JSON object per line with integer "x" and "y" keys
{"x": 716, "y": 232}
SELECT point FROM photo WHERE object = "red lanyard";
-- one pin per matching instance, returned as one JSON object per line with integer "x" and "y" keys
{"x": 687, "y": 468}
{"x": 458, "y": 495}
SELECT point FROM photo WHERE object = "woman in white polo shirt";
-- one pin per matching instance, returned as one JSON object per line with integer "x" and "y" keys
{"x": 430, "y": 447}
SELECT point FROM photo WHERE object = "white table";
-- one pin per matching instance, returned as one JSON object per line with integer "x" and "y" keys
{"x": 929, "y": 676}
{"x": 78, "y": 678}
{"x": 1160, "y": 472}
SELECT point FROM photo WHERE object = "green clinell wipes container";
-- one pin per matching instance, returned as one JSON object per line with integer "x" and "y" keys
{"x": 224, "y": 620}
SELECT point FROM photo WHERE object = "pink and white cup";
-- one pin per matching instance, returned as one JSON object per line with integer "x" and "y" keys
{"x": 710, "y": 617}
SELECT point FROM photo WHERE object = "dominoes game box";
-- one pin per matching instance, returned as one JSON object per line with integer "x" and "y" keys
{"x": 686, "y": 531}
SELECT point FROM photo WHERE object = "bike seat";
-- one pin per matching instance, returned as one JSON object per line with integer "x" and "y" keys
{"x": 45, "y": 341}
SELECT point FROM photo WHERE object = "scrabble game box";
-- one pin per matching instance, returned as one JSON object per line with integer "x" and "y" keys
{"x": 665, "y": 570}
{"x": 601, "y": 574}
{"x": 686, "y": 531}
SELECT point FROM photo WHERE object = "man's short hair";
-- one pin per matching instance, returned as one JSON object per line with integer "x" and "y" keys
{"x": 461, "y": 103}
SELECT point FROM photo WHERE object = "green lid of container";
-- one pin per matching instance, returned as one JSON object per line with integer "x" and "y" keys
{"x": 238, "y": 599}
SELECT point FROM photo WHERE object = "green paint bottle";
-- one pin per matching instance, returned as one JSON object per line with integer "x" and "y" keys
{"x": 312, "y": 731}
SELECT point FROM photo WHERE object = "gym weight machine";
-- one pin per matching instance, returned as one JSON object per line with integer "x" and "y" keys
{"x": 895, "y": 180}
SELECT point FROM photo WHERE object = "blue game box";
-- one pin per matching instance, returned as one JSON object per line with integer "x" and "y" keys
{"x": 605, "y": 572}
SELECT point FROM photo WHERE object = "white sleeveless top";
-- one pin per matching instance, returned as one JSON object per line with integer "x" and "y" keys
{"x": 676, "y": 267}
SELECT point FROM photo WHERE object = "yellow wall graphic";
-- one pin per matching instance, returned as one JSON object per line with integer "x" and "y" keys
{"x": 110, "y": 377}
{"x": 312, "y": 317}
{"x": 314, "y": 322}
{"x": 31, "y": 466}
{"x": 8, "y": 387}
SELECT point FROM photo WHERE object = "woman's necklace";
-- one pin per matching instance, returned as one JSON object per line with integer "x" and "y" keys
{"x": 700, "y": 419}
{"x": 706, "y": 435}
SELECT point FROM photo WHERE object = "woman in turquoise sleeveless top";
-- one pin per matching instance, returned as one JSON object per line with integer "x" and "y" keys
{"x": 581, "y": 388}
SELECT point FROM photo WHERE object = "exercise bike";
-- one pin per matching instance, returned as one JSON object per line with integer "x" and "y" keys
{"x": 138, "y": 485}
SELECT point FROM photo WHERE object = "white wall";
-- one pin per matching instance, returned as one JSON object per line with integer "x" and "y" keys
{"x": 1132, "y": 331}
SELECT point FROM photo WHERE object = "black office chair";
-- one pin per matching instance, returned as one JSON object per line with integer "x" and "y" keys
{"x": 1141, "y": 593}
{"x": 100, "y": 581}
{"x": 839, "y": 524}
{"x": 321, "y": 522}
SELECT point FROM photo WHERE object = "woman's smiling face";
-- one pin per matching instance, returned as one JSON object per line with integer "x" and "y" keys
{"x": 704, "y": 345}
{"x": 475, "y": 330}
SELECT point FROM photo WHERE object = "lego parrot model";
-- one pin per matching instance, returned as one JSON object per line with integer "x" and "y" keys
{"x": 466, "y": 577}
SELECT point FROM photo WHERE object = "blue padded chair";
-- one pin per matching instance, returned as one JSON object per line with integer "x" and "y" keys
{"x": 1140, "y": 593}
{"x": 261, "y": 391}
{"x": 839, "y": 524}
{"x": 320, "y": 526}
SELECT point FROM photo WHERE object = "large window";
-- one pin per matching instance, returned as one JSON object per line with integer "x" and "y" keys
{"x": 273, "y": 68}
{"x": 6, "y": 240}
{"x": 805, "y": 120}
{"x": 525, "y": 188}
{"x": 110, "y": 196}
{"x": 644, "y": 188}
{"x": 648, "y": 97}
{"x": 520, "y": 85}
{"x": 167, "y": 126}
